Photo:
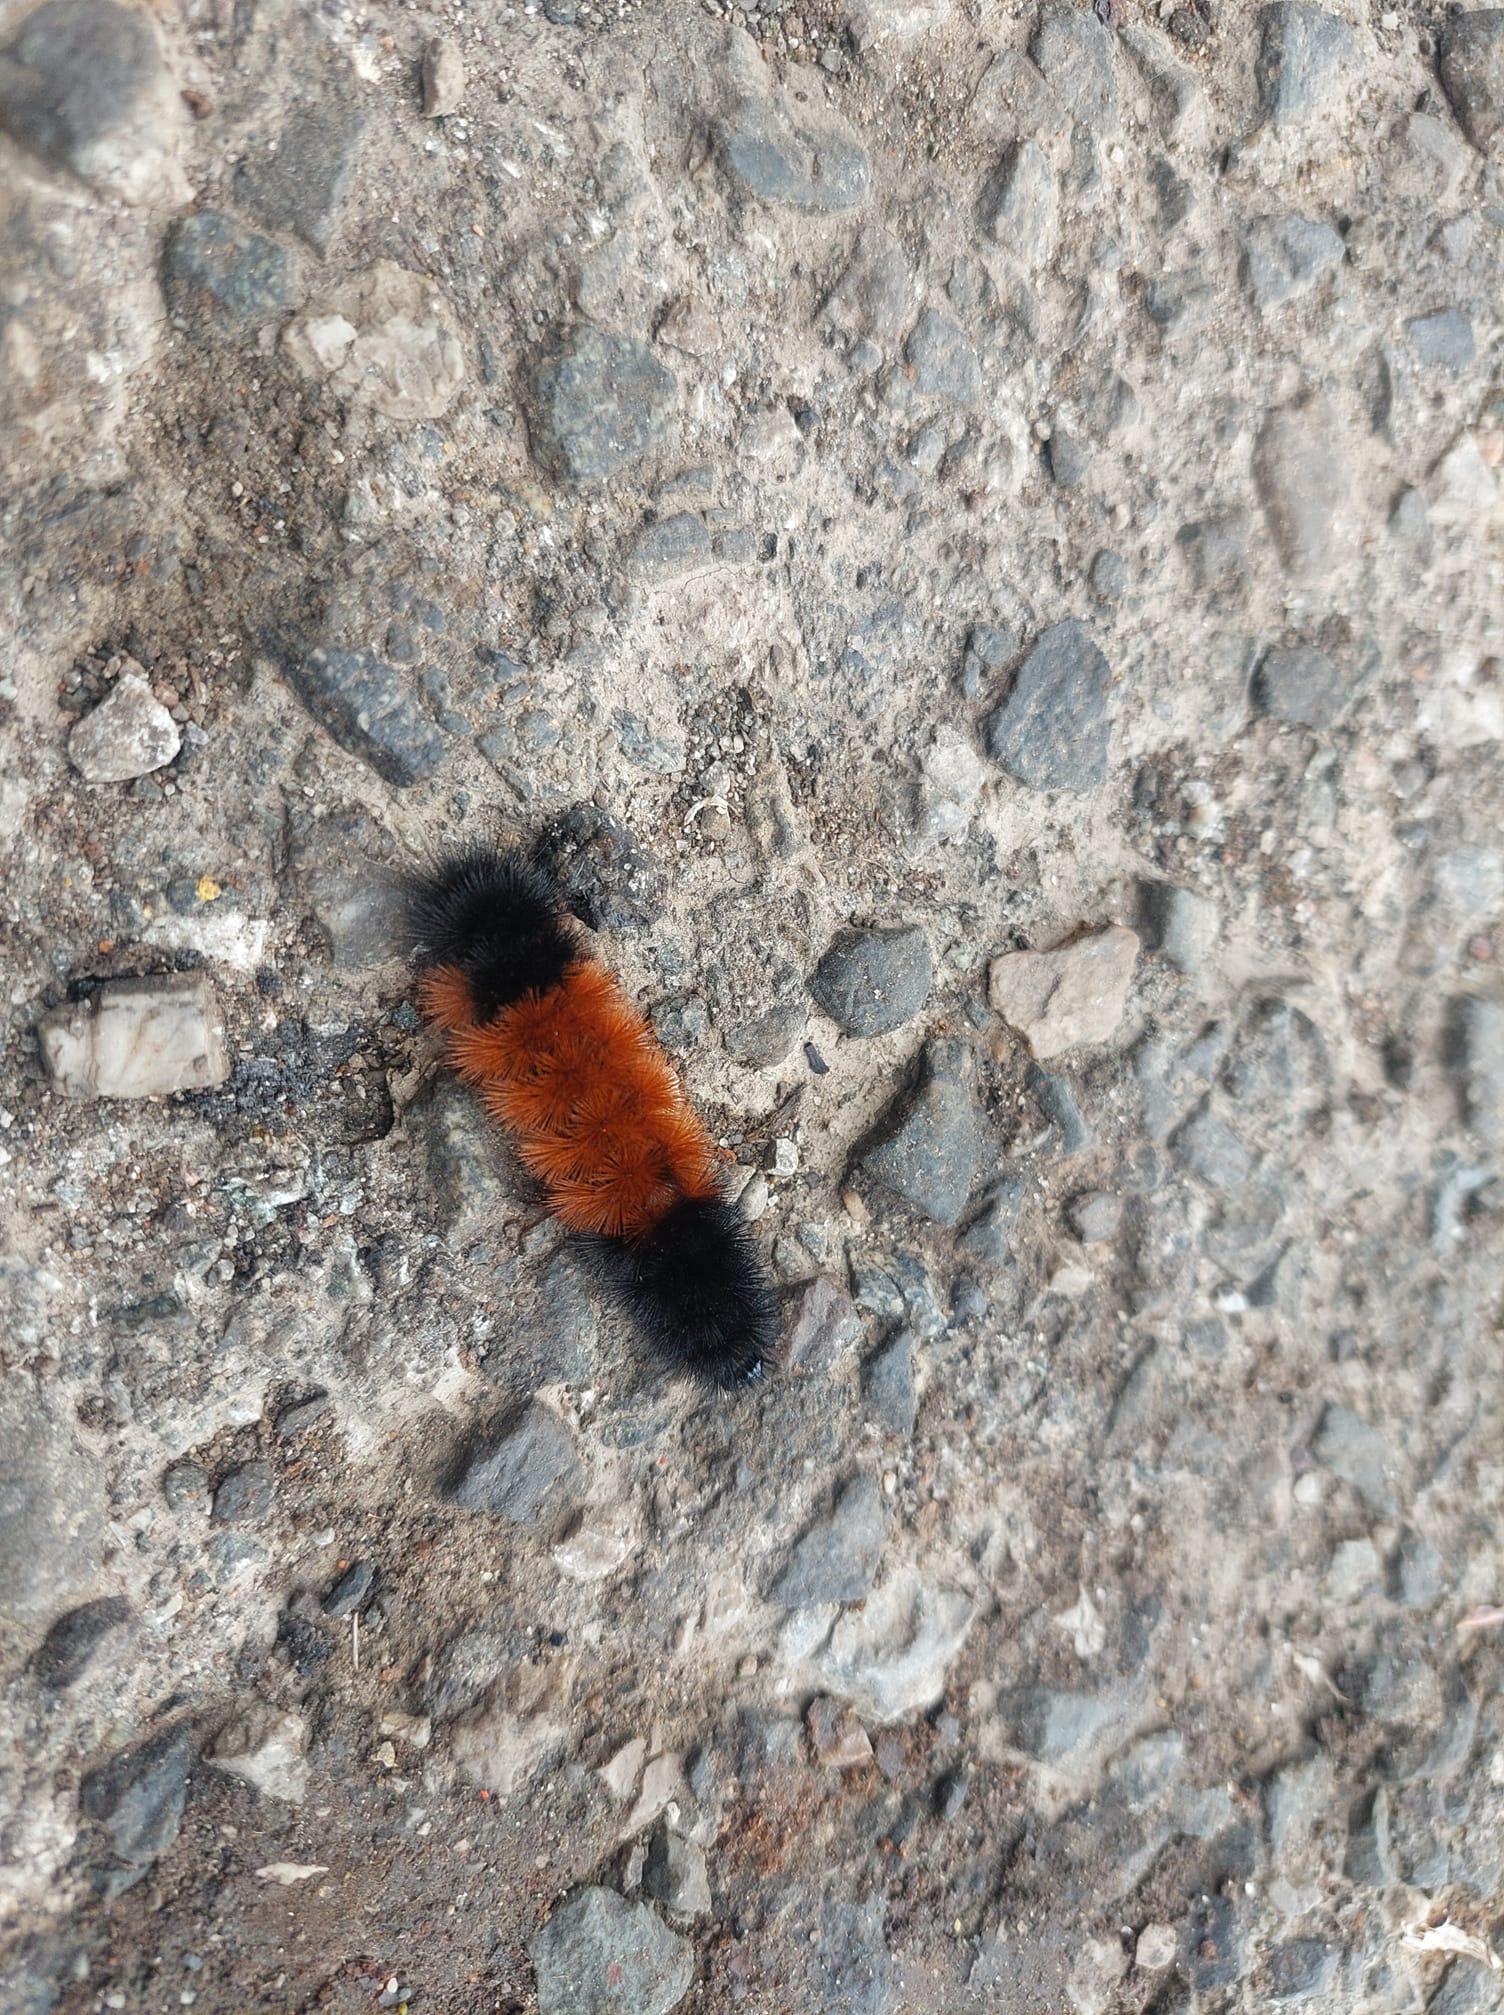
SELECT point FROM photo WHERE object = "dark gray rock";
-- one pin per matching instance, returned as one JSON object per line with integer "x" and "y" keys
{"x": 609, "y": 879}
{"x": 76, "y": 79}
{"x": 802, "y": 156}
{"x": 1350, "y": 1448}
{"x": 185, "y": 1486}
{"x": 681, "y": 1024}
{"x": 943, "y": 359}
{"x": 822, "y": 1324}
{"x": 767, "y": 1038}
{"x": 1477, "y": 1049}
{"x": 364, "y": 705}
{"x": 220, "y": 272}
{"x": 1305, "y": 55}
{"x": 71, "y": 1644}
{"x": 1051, "y": 732}
{"x": 1057, "y": 1100}
{"x": 1074, "y": 51}
{"x": 871, "y": 981}
{"x": 837, "y": 1559}
{"x": 600, "y": 1955}
{"x": 1069, "y": 457}
{"x": 1175, "y": 197}
{"x": 1471, "y": 63}
{"x": 1284, "y": 257}
{"x": 350, "y": 1591}
{"x": 896, "y": 1288}
{"x": 675, "y": 1874}
{"x": 671, "y": 547}
{"x": 931, "y": 1144}
{"x": 1212, "y": 1945}
{"x": 1108, "y": 576}
{"x": 527, "y": 1475}
{"x": 598, "y": 402}
{"x": 136, "y": 1799}
{"x": 1216, "y": 549}
{"x": 1020, "y": 205}
{"x": 1444, "y": 341}
{"x": 246, "y": 1495}
{"x": 888, "y": 1385}
{"x": 1300, "y": 685}
{"x": 851, "y": 1969}
{"x": 989, "y": 649}
{"x": 300, "y": 183}
{"x": 988, "y": 1238}
{"x": 1278, "y": 1059}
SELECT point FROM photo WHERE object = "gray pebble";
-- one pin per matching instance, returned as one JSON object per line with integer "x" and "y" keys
{"x": 1302, "y": 481}
{"x": 1108, "y": 576}
{"x": 1304, "y": 55}
{"x": 1216, "y": 549}
{"x": 1472, "y": 73}
{"x": 670, "y": 548}
{"x": 442, "y": 78}
{"x": 527, "y": 1474}
{"x": 300, "y": 183}
{"x": 780, "y": 151}
{"x": 1051, "y": 732}
{"x": 1299, "y": 685}
{"x": 1075, "y": 52}
{"x": 871, "y": 981}
{"x": 851, "y": 1968}
{"x": 1058, "y": 1102}
{"x": 1020, "y": 206}
{"x": 1181, "y": 302}
{"x": 221, "y": 272}
{"x": 1053, "y": 1726}
{"x": 185, "y": 1486}
{"x": 245, "y": 1496}
{"x": 931, "y": 1143}
{"x": 1410, "y": 523}
{"x": 600, "y": 1955}
{"x": 1352, "y": 1449}
{"x": 1370, "y": 1858}
{"x": 1444, "y": 340}
{"x": 609, "y": 879}
{"x": 598, "y": 403}
{"x": 681, "y": 1024}
{"x": 943, "y": 359}
{"x": 1299, "y": 1970}
{"x": 1284, "y": 257}
{"x": 989, "y": 649}
{"x": 888, "y": 1385}
{"x": 1069, "y": 458}
{"x": 1096, "y": 1217}
{"x": 1181, "y": 924}
{"x": 988, "y": 1238}
{"x": 822, "y": 1325}
{"x": 837, "y": 1559}
{"x": 1419, "y": 1573}
{"x": 1213, "y": 1151}
{"x": 365, "y": 705}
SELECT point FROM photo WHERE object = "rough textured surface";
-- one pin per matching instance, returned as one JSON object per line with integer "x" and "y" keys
{"x": 832, "y": 467}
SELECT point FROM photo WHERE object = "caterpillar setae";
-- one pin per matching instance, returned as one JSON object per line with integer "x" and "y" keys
{"x": 569, "y": 1066}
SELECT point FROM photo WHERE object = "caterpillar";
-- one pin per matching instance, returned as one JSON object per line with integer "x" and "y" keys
{"x": 571, "y": 1069}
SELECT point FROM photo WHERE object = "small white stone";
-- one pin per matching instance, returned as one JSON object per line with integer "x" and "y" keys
{"x": 1156, "y": 1948}
{"x": 136, "y": 1038}
{"x": 267, "y": 1750}
{"x": 1062, "y": 999}
{"x": 129, "y": 734}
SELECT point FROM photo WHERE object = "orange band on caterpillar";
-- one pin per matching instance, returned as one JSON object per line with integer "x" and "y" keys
{"x": 570, "y": 1067}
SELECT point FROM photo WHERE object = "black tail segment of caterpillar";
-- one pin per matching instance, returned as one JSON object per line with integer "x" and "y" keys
{"x": 571, "y": 1068}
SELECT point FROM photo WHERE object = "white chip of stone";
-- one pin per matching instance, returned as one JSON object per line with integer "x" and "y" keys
{"x": 1061, "y": 999}
{"x": 443, "y": 79}
{"x": 136, "y": 1038}
{"x": 129, "y": 734}
{"x": 268, "y": 1750}
{"x": 1156, "y": 1948}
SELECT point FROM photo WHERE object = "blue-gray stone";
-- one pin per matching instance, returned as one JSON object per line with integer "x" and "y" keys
{"x": 1051, "y": 732}
{"x": 1299, "y": 1970}
{"x": 524, "y": 1476}
{"x": 775, "y": 152}
{"x": 943, "y": 359}
{"x": 1444, "y": 340}
{"x": 300, "y": 183}
{"x": 1284, "y": 257}
{"x": 1477, "y": 1050}
{"x": 221, "y": 270}
{"x": 70, "y": 1645}
{"x": 364, "y": 705}
{"x": 609, "y": 879}
{"x": 837, "y": 1559}
{"x": 350, "y": 1591}
{"x": 1075, "y": 52}
{"x": 598, "y": 403}
{"x": 931, "y": 1144}
{"x": 1297, "y": 684}
{"x": 1304, "y": 55}
{"x": 988, "y": 1238}
{"x": 600, "y": 1955}
{"x": 871, "y": 981}
{"x": 1352, "y": 1449}
{"x": 888, "y": 1385}
{"x": 245, "y": 1496}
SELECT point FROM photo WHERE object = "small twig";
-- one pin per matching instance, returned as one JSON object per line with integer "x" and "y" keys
{"x": 355, "y": 1638}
